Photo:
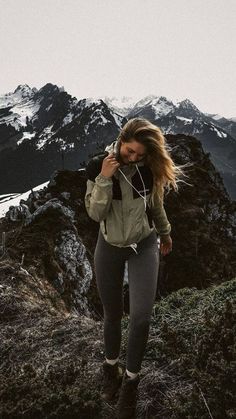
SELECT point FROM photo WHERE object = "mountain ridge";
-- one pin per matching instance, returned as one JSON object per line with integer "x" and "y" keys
{"x": 48, "y": 124}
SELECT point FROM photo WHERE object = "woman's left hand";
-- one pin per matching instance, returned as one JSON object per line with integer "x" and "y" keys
{"x": 165, "y": 244}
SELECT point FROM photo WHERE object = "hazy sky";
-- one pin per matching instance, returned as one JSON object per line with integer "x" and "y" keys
{"x": 176, "y": 48}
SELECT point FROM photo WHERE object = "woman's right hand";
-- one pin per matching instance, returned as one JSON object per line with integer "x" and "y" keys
{"x": 109, "y": 166}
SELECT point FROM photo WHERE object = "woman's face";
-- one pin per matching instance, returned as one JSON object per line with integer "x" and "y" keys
{"x": 132, "y": 152}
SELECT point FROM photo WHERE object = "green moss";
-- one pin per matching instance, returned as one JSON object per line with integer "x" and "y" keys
{"x": 192, "y": 355}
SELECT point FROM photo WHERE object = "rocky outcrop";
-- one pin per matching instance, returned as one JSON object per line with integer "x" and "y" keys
{"x": 48, "y": 238}
{"x": 202, "y": 216}
{"x": 203, "y": 220}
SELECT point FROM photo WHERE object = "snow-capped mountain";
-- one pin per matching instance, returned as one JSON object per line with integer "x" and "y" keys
{"x": 153, "y": 107}
{"x": 42, "y": 114}
{"x": 218, "y": 137}
{"x": 121, "y": 105}
{"x": 48, "y": 129}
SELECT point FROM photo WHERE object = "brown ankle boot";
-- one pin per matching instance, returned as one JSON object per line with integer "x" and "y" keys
{"x": 126, "y": 404}
{"x": 112, "y": 379}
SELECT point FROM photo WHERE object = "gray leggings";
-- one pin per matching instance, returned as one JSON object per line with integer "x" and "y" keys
{"x": 142, "y": 272}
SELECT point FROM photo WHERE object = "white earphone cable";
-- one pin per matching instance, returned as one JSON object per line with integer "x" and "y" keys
{"x": 144, "y": 189}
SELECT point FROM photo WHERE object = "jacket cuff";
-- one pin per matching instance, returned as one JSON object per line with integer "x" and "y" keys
{"x": 103, "y": 180}
{"x": 166, "y": 232}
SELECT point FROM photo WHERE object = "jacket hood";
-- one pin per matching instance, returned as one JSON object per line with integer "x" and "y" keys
{"x": 114, "y": 148}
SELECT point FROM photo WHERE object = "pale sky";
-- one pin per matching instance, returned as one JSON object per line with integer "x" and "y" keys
{"x": 175, "y": 48}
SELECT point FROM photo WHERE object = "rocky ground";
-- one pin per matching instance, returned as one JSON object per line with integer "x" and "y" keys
{"x": 51, "y": 359}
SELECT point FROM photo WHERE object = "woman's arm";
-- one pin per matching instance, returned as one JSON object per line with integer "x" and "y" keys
{"x": 159, "y": 216}
{"x": 162, "y": 224}
{"x": 98, "y": 197}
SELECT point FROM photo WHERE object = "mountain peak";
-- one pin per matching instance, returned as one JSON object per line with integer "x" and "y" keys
{"x": 24, "y": 90}
{"x": 163, "y": 99}
{"x": 49, "y": 87}
{"x": 156, "y": 107}
{"x": 187, "y": 104}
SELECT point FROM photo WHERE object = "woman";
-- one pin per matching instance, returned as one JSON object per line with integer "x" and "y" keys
{"x": 125, "y": 191}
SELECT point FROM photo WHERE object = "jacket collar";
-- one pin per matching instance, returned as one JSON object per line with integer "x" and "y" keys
{"x": 114, "y": 147}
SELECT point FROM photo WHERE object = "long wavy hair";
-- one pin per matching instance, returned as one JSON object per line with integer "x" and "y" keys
{"x": 166, "y": 174}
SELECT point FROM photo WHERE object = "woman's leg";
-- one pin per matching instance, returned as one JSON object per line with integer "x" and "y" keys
{"x": 109, "y": 270}
{"x": 143, "y": 274}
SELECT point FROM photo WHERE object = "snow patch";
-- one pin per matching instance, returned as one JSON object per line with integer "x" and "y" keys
{"x": 216, "y": 117}
{"x": 20, "y": 109}
{"x": 188, "y": 120}
{"x": 44, "y": 137}
{"x": 220, "y": 134}
{"x": 14, "y": 199}
{"x": 68, "y": 118}
{"x": 91, "y": 101}
{"x": 118, "y": 119}
{"x": 26, "y": 136}
{"x": 64, "y": 145}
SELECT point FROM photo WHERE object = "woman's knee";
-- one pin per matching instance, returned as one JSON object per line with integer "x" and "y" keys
{"x": 113, "y": 317}
{"x": 140, "y": 322}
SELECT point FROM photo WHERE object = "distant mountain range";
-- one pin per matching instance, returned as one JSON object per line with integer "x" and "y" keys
{"x": 48, "y": 129}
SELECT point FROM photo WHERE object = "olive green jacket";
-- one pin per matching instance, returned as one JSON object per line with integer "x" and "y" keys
{"x": 118, "y": 207}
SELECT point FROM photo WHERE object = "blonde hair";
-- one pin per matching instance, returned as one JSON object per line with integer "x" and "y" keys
{"x": 166, "y": 174}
